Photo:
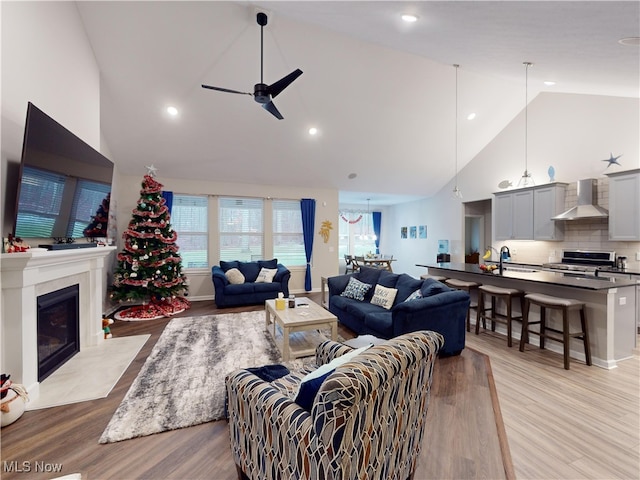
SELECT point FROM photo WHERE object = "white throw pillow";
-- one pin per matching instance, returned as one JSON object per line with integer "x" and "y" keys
{"x": 384, "y": 296}
{"x": 266, "y": 275}
{"x": 333, "y": 364}
{"x": 234, "y": 276}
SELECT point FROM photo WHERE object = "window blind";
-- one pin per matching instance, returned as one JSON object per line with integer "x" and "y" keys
{"x": 241, "y": 228}
{"x": 288, "y": 240}
{"x": 189, "y": 218}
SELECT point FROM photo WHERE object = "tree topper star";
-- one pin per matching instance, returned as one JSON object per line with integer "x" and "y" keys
{"x": 151, "y": 170}
{"x": 612, "y": 160}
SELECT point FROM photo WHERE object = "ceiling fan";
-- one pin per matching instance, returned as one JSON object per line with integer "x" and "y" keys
{"x": 263, "y": 93}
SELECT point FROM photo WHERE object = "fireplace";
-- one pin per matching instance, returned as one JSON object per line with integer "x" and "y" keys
{"x": 27, "y": 279}
{"x": 58, "y": 329}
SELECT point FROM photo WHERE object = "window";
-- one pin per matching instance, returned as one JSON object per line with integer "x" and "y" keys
{"x": 241, "y": 228}
{"x": 355, "y": 234}
{"x": 189, "y": 215}
{"x": 288, "y": 240}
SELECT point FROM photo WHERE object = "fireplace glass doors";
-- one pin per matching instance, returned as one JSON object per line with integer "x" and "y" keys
{"x": 58, "y": 329}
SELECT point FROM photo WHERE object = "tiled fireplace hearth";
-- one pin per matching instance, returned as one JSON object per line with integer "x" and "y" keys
{"x": 27, "y": 276}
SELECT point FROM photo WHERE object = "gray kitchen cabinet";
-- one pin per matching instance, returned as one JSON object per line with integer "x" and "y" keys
{"x": 514, "y": 215}
{"x": 548, "y": 201}
{"x": 525, "y": 214}
{"x": 624, "y": 205}
{"x": 503, "y": 216}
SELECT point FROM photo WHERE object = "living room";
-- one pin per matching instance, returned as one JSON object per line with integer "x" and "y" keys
{"x": 48, "y": 59}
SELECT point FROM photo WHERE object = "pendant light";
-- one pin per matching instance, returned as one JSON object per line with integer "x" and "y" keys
{"x": 526, "y": 180}
{"x": 456, "y": 190}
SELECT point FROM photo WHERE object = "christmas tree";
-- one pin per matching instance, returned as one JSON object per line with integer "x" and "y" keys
{"x": 149, "y": 266}
{"x": 98, "y": 225}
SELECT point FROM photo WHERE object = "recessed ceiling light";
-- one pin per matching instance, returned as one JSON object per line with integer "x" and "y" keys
{"x": 471, "y": 116}
{"x": 409, "y": 17}
{"x": 549, "y": 83}
{"x": 173, "y": 111}
{"x": 631, "y": 41}
{"x": 313, "y": 131}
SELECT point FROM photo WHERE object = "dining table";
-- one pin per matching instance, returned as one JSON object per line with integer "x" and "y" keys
{"x": 378, "y": 262}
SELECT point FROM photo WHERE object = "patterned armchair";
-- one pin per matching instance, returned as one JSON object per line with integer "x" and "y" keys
{"x": 367, "y": 420}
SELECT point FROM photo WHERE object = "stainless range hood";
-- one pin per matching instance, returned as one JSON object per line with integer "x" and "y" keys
{"x": 587, "y": 206}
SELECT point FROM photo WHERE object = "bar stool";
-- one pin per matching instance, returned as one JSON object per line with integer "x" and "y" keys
{"x": 507, "y": 295}
{"x": 439, "y": 278}
{"x": 467, "y": 287}
{"x": 565, "y": 305}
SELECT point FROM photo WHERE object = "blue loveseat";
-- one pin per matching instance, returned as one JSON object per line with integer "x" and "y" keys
{"x": 249, "y": 292}
{"x": 437, "y": 307}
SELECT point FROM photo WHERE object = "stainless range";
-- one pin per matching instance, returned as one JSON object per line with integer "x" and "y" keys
{"x": 584, "y": 261}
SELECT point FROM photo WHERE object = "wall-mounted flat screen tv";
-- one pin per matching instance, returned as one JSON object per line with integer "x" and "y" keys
{"x": 65, "y": 185}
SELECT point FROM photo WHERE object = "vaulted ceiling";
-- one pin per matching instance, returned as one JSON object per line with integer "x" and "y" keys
{"x": 381, "y": 92}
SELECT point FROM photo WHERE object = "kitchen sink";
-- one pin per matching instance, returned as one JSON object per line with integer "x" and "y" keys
{"x": 511, "y": 268}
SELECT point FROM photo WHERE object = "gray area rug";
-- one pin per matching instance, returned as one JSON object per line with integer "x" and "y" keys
{"x": 181, "y": 383}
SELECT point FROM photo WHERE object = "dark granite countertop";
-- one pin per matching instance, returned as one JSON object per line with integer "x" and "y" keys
{"x": 566, "y": 279}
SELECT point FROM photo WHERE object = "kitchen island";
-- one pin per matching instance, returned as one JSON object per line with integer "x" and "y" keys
{"x": 611, "y": 304}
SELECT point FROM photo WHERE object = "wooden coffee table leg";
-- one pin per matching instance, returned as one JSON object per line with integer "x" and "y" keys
{"x": 334, "y": 331}
{"x": 285, "y": 344}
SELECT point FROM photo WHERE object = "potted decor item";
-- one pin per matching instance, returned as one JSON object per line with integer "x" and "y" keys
{"x": 13, "y": 399}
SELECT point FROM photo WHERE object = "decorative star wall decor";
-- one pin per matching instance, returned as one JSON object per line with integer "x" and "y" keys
{"x": 612, "y": 160}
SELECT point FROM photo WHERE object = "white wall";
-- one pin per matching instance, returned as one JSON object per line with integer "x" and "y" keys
{"x": 325, "y": 255}
{"x": 574, "y": 133}
{"x": 46, "y": 60}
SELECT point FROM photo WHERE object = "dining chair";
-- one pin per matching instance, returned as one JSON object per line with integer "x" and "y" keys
{"x": 348, "y": 260}
{"x": 357, "y": 262}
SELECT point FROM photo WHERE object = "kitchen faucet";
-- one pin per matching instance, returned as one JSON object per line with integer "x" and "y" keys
{"x": 503, "y": 249}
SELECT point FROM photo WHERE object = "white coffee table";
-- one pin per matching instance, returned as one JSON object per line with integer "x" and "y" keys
{"x": 299, "y": 319}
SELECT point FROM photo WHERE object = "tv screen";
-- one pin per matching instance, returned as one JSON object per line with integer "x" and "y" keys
{"x": 65, "y": 185}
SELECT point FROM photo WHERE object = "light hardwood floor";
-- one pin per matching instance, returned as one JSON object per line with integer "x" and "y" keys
{"x": 577, "y": 424}
{"x": 582, "y": 423}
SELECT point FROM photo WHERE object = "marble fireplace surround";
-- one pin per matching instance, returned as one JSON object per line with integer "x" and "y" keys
{"x": 25, "y": 276}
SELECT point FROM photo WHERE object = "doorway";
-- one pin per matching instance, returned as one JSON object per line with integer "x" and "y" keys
{"x": 477, "y": 229}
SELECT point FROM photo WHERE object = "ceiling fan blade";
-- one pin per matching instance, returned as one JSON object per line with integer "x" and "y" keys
{"x": 271, "y": 108}
{"x": 226, "y": 90}
{"x": 284, "y": 82}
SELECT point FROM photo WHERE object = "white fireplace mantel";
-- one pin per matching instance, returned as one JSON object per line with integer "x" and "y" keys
{"x": 25, "y": 276}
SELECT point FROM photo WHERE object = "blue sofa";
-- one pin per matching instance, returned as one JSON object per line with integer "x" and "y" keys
{"x": 437, "y": 308}
{"x": 249, "y": 292}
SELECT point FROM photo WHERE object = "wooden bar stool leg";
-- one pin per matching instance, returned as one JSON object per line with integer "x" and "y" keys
{"x": 543, "y": 325}
{"x": 509, "y": 321}
{"x": 524, "y": 337}
{"x": 469, "y": 314}
{"x": 493, "y": 313}
{"x": 479, "y": 311}
{"x": 522, "y": 313}
{"x": 585, "y": 336}
{"x": 566, "y": 339}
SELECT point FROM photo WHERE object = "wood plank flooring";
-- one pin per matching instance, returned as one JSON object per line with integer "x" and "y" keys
{"x": 581, "y": 423}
